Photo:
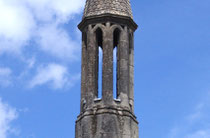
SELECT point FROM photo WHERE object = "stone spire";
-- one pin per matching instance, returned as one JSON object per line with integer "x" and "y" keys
{"x": 115, "y": 7}
{"x": 107, "y": 26}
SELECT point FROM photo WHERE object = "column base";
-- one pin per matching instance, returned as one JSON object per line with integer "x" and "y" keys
{"x": 107, "y": 123}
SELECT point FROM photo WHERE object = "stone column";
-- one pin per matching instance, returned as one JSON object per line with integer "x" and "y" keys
{"x": 124, "y": 67}
{"x": 131, "y": 71}
{"x": 91, "y": 66}
{"x": 84, "y": 72}
{"x": 107, "y": 81}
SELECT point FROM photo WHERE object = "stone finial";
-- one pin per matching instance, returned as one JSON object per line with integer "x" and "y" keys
{"x": 100, "y": 7}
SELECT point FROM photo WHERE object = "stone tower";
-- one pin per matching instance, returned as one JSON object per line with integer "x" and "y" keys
{"x": 106, "y": 25}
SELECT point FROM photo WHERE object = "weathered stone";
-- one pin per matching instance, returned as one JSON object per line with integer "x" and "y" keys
{"x": 116, "y": 7}
{"x": 107, "y": 23}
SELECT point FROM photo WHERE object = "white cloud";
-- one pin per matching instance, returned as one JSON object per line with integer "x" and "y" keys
{"x": 39, "y": 23}
{"x": 20, "y": 20}
{"x": 7, "y": 115}
{"x": 56, "y": 41}
{"x": 31, "y": 62}
{"x": 199, "y": 134}
{"x": 48, "y": 10}
{"x": 16, "y": 25}
{"x": 5, "y": 76}
{"x": 55, "y": 75}
{"x": 196, "y": 124}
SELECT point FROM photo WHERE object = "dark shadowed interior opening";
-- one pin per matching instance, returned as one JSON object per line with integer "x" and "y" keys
{"x": 116, "y": 36}
{"x": 99, "y": 40}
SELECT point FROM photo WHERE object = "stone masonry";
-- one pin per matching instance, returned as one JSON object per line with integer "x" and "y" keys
{"x": 107, "y": 24}
{"x": 118, "y": 7}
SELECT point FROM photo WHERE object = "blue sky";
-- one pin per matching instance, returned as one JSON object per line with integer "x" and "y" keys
{"x": 40, "y": 68}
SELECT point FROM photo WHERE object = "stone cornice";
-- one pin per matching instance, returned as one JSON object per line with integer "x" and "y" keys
{"x": 123, "y": 20}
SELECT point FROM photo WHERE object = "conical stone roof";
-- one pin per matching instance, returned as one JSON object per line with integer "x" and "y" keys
{"x": 100, "y": 7}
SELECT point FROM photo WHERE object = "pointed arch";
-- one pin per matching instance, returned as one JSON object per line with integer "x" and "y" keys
{"x": 114, "y": 27}
{"x": 99, "y": 26}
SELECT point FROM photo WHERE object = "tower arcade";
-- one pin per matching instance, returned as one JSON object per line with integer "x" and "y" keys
{"x": 107, "y": 91}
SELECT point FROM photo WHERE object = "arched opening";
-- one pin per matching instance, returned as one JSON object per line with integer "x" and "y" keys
{"x": 99, "y": 41}
{"x": 116, "y": 38}
{"x": 99, "y": 37}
